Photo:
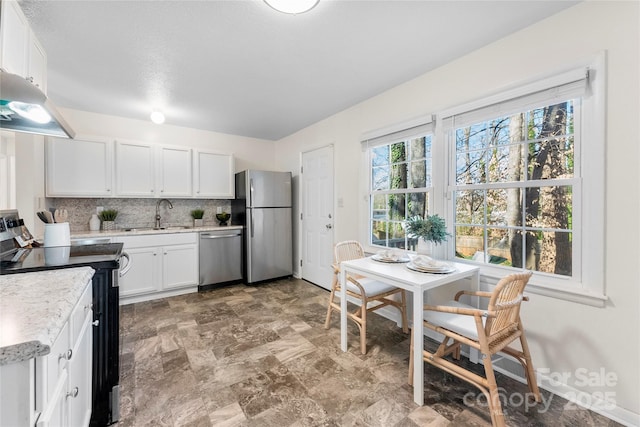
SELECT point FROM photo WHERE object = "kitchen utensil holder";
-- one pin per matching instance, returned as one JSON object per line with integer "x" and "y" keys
{"x": 57, "y": 234}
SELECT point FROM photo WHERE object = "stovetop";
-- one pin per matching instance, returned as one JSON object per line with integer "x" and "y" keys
{"x": 37, "y": 259}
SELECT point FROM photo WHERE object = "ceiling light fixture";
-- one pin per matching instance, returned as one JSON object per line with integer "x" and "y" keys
{"x": 157, "y": 117}
{"x": 292, "y": 6}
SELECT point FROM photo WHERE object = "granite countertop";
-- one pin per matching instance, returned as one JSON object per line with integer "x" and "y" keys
{"x": 136, "y": 231}
{"x": 34, "y": 307}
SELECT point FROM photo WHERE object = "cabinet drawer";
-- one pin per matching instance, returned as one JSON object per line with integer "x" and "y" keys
{"x": 57, "y": 359}
{"x": 79, "y": 314}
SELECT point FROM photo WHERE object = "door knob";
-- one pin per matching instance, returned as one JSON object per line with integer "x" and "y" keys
{"x": 329, "y": 226}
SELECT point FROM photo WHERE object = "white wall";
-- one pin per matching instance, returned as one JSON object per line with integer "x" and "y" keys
{"x": 564, "y": 336}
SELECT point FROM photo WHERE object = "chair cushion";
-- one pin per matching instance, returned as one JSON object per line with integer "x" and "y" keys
{"x": 371, "y": 287}
{"x": 461, "y": 324}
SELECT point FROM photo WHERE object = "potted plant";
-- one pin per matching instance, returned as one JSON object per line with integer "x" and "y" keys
{"x": 429, "y": 230}
{"x": 108, "y": 217}
{"x": 223, "y": 217}
{"x": 197, "y": 215}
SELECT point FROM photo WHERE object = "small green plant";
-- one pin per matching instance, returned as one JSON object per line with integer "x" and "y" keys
{"x": 197, "y": 213}
{"x": 431, "y": 228}
{"x": 108, "y": 215}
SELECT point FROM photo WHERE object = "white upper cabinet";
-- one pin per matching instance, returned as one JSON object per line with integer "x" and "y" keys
{"x": 21, "y": 53}
{"x": 213, "y": 175}
{"x": 15, "y": 38}
{"x": 135, "y": 169}
{"x": 79, "y": 168}
{"x": 174, "y": 172}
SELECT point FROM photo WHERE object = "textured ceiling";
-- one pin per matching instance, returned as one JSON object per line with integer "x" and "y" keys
{"x": 239, "y": 67}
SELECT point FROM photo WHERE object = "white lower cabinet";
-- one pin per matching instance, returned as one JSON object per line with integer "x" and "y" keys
{"x": 66, "y": 396}
{"x": 161, "y": 265}
{"x": 53, "y": 390}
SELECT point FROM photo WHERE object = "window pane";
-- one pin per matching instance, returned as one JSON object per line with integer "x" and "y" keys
{"x": 399, "y": 176}
{"x": 420, "y": 174}
{"x": 551, "y": 158}
{"x": 549, "y": 207}
{"x": 380, "y": 155}
{"x": 555, "y": 253}
{"x": 397, "y": 207}
{"x": 397, "y": 235}
{"x": 498, "y": 246}
{"x": 420, "y": 148}
{"x": 398, "y": 153}
{"x": 471, "y": 138}
{"x": 379, "y": 206}
{"x": 506, "y": 163}
{"x": 379, "y": 232}
{"x": 470, "y": 167}
{"x": 469, "y": 207}
{"x": 417, "y": 204}
{"x": 470, "y": 243}
{"x": 497, "y": 207}
{"x": 380, "y": 178}
{"x": 499, "y": 131}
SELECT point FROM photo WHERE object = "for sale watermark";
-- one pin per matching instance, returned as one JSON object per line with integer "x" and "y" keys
{"x": 600, "y": 398}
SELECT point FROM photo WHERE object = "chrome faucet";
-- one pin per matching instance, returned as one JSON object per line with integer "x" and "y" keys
{"x": 158, "y": 211}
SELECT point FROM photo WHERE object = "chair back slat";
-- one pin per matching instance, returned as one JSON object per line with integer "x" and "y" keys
{"x": 505, "y": 301}
{"x": 348, "y": 250}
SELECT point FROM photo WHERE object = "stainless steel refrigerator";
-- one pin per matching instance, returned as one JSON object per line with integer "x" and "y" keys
{"x": 263, "y": 206}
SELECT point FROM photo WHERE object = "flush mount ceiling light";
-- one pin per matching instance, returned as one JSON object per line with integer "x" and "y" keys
{"x": 292, "y": 6}
{"x": 157, "y": 117}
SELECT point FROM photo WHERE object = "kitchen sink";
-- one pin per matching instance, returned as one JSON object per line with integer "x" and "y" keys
{"x": 179, "y": 227}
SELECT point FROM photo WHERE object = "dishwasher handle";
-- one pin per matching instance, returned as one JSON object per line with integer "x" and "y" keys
{"x": 218, "y": 236}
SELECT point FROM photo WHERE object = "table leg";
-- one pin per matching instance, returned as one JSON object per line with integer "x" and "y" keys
{"x": 474, "y": 354}
{"x": 418, "y": 345}
{"x": 343, "y": 309}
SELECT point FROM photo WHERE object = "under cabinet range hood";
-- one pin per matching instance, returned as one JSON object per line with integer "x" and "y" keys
{"x": 25, "y": 108}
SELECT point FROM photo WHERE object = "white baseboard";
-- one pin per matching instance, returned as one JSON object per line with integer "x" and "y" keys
{"x": 157, "y": 295}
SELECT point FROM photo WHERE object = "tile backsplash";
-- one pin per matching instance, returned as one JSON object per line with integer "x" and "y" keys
{"x": 139, "y": 212}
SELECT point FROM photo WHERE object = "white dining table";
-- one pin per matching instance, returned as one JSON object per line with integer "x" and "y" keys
{"x": 397, "y": 274}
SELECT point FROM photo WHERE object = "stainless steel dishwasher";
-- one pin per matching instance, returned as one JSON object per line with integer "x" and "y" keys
{"x": 220, "y": 258}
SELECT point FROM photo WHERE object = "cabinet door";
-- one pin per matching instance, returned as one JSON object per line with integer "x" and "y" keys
{"x": 142, "y": 277}
{"x": 14, "y": 31}
{"x": 213, "y": 175}
{"x": 79, "y": 388}
{"x": 135, "y": 169}
{"x": 37, "y": 64}
{"x": 174, "y": 172}
{"x": 180, "y": 266}
{"x": 80, "y": 168}
{"x": 56, "y": 413}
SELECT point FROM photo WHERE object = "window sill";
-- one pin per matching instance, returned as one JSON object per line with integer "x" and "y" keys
{"x": 539, "y": 286}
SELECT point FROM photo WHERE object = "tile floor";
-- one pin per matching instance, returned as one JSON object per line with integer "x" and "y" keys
{"x": 259, "y": 356}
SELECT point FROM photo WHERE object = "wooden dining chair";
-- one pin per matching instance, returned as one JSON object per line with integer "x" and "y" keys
{"x": 366, "y": 290}
{"x": 490, "y": 331}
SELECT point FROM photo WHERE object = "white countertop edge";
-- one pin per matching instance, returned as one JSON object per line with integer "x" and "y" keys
{"x": 138, "y": 232}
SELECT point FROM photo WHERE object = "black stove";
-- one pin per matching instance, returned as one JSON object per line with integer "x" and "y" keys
{"x": 105, "y": 260}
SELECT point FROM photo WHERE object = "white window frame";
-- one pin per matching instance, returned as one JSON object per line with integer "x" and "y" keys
{"x": 587, "y": 285}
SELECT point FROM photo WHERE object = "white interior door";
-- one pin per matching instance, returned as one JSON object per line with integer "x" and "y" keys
{"x": 317, "y": 216}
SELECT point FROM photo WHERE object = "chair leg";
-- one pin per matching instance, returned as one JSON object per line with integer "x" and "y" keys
{"x": 405, "y": 321}
{"x": 363, "y": 329}
{"x": 411, "y": 360}
{"x": 331, "y": 297}
{"x": 495, "y": 408}
{"x": 531, "y": 377}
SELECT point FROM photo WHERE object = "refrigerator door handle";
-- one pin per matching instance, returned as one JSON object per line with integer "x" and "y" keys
{"x": 252, "y": 225}
{"x": 251, "y": 192}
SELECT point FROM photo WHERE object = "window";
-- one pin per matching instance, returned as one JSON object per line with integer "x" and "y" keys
{"x": 400, "y": 184}
{"x": 515, "y": 178}
{"x": 526, "y": 183}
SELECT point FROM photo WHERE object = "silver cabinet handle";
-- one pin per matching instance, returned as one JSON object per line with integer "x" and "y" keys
{"x": 66, "y": 355}
{"x": 95, "y": 323}
{"x": 73, "y": 393}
